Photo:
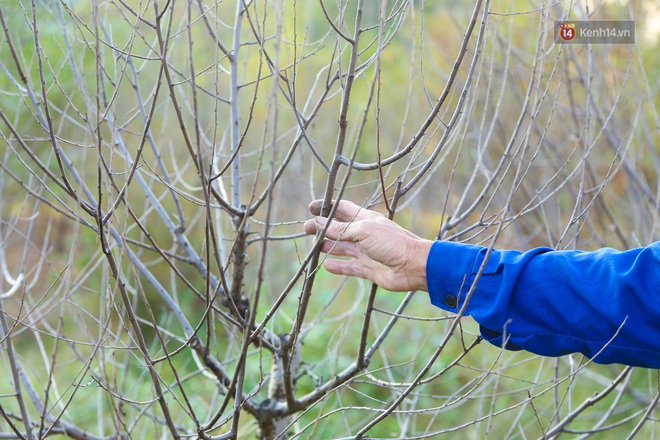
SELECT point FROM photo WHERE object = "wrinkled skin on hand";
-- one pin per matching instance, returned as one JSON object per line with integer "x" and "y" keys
{"x": 378, "y": 249}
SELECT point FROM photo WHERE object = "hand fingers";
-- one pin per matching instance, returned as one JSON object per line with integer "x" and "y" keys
{"x": 346, "y": 211}
{"x": 351, "y": 268}
{"x": 338, "y": 239}
{"x": 340, "y": 248}
{"x": 315, "y": 207}
{"x": 336, "y": 248}
{"x": 336, "y": 230}
{"x": 333, "y": 247}
{"x": 311, "y": 227}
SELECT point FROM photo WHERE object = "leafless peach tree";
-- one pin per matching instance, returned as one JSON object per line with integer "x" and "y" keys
{"x": 158, "y": 157}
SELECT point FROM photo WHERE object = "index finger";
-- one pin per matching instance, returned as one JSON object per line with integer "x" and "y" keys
{"x": 346, "y": 211}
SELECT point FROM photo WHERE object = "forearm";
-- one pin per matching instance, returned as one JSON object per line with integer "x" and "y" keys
{"x": 556, "y": 302}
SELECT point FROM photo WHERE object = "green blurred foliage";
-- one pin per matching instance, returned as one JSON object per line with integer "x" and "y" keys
{"x": 412, "y": 73}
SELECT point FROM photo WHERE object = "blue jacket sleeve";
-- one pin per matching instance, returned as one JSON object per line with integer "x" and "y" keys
{"x": 603, "y": 304}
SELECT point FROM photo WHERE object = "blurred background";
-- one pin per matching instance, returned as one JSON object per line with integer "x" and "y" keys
{"x": 158, "y": 158}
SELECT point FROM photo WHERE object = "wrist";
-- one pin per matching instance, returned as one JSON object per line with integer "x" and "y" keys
{"x": 418, "y": 262}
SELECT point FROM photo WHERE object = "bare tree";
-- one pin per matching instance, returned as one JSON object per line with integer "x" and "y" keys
{"x": 158, "y": 158}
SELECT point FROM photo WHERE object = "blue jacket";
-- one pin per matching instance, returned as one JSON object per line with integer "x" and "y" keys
{"x": 603, "y": 304}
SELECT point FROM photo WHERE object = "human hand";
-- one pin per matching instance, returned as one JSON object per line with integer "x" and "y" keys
{"x": 380, "y": 250}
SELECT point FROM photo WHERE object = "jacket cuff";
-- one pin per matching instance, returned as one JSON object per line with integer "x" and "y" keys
{"x": 450, "y": 270}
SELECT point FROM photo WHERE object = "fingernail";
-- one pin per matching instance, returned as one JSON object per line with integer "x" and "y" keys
{"x": 321, "y": 220}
